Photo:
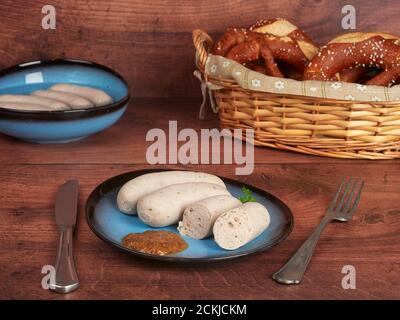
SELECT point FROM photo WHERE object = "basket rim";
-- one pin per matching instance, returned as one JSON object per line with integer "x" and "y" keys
{"x": 233, "y": 85}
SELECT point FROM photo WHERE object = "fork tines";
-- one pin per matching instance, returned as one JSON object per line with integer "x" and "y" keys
{"x": 347, "y": 196}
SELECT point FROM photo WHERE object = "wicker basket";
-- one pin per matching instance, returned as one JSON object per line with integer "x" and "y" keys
{"x": 289, "y": 122}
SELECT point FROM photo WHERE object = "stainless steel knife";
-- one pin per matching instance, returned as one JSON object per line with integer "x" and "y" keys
{"x": 66, "y": 211}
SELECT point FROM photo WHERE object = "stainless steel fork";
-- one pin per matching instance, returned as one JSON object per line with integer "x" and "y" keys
{"x": 342, "y": 208}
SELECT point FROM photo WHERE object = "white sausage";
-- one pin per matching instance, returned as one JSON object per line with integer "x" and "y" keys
{"x": 239, "y": 226}
{"x": 97, "y": 96}
{"x": 39, "y": 101}
{"x": 136, "y": 188}
{"x": 198, "y": 218}
{"x": 165, "y": 206}
{"x": 23, "y": 106}
{"x": 73, "y": 100}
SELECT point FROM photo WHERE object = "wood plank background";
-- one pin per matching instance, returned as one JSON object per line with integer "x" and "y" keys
{"x": 149, "y": 42}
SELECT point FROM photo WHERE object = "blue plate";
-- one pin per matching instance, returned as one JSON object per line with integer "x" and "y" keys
{"x": 111, "y": 225}
{"x": 61, "y": 126}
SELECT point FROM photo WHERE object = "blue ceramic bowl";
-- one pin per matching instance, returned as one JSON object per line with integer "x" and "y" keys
{"x": 61, "y": 126}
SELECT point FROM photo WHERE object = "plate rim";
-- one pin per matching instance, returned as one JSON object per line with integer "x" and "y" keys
{"x": 96, "y": 193}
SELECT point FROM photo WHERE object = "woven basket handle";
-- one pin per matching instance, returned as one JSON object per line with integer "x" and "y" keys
{"x": 202, "y": 42}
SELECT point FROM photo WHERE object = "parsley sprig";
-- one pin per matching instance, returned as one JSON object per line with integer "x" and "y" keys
{"x": 247, "y": 195}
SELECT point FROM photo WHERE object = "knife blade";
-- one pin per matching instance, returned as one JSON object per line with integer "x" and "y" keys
{"x": 66, "y": 209}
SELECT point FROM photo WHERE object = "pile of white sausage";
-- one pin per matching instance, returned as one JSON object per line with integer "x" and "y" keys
{"x": 61, "y": 96}
{"x": 198, "y": 202}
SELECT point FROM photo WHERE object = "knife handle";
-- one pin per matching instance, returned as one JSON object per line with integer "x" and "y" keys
{"x": 66, "y": 276}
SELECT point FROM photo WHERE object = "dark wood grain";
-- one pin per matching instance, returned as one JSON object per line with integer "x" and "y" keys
{"x": 149, "y": 42}
{"x": 31, "y": 174}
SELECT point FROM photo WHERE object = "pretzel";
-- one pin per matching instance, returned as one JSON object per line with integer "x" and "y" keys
{"x": 358, "y": 50}
{"x": 350, "y": 75}
{"x": 246, "y": 47}
{"x": 385, "y": 78}
{"x": 286, "y": 32}
{"x": 229, "y": 39}
{"x": 273, "y": 40}
{"x": 280, "y": 27}
{"x": 283, "y": 28}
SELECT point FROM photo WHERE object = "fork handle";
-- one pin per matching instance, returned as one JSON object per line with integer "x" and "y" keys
{"x": 292, "y": 272}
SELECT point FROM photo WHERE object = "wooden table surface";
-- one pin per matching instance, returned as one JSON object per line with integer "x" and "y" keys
{"x": 31, "y": 174}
